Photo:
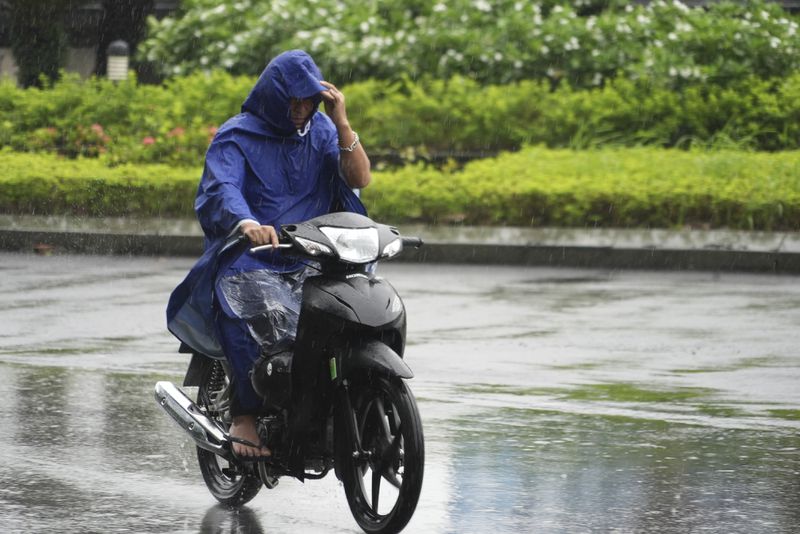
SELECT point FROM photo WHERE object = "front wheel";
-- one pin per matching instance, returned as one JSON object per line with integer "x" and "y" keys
{"x": 382, "y": 472}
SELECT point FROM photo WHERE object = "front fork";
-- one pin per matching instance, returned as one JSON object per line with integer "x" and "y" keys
{"x": 349, "y": 438}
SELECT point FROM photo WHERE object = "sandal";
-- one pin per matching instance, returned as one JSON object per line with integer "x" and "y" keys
{"x": 247, "y": 443}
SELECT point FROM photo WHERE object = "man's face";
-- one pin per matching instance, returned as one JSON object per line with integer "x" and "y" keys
{"x": 300, "y": 111}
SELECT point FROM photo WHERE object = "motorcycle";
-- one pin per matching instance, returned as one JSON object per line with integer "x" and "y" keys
{"x": 338, "y": 399}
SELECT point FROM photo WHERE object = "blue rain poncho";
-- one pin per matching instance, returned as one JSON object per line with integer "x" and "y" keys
{"x": 259, "y": 167}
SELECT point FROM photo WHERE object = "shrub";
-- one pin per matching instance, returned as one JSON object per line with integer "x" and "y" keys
{"x": 46, "y": 184}
{"x": 640, "y": 187}
{"x": 491, "y": 41}
{"x": 126, "y": 122}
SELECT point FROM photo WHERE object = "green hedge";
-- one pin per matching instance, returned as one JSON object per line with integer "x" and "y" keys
{"x": 45, "y": 184}
{"x": 173, "y": 123}
{"x": 641, "y": 187}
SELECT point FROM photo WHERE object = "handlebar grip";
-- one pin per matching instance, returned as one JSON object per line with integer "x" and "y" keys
{"x": 414, "y": 242}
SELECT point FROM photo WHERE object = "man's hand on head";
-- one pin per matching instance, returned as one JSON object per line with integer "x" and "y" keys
{"x": 260, "y": 234}
{"x": 334, "y": 105}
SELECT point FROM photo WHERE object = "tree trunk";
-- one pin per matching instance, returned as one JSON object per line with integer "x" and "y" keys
{"x": 38, "y": 38}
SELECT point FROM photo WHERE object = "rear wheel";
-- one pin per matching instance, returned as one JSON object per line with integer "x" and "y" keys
{"x": 384, "y": 481}
{"x": 229, "y": 483}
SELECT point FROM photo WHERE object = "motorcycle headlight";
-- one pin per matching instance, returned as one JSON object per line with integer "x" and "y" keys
{"x": 356, "y": 245}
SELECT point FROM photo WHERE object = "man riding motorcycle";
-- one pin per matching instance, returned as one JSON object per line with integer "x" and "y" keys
{"x": 279, "y": 161}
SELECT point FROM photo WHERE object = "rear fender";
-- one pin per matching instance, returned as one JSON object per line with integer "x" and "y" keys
{"x": 372, "y": 355}
{"x": 197, "y": 369}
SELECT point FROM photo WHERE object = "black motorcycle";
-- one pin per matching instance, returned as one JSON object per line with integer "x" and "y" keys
{"x": 338, "y": 399}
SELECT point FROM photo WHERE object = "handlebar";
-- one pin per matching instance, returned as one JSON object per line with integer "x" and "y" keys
{"x": 242, "y": 241}
{"x": 414, "y": 242}
{"x": 270, "y": 247}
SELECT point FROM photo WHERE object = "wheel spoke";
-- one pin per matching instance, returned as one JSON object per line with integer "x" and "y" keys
{"x": 376, "y": 489}
{"x": 391, "y": 477}
{"x": 389, "y": 459}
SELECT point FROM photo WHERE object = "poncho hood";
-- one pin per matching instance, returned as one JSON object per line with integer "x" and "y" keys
{"x": 292, "y": 74}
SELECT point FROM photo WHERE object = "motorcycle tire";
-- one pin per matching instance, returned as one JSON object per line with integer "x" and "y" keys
{"x": 390, "y": 430}
{"x": 227, "y": 482}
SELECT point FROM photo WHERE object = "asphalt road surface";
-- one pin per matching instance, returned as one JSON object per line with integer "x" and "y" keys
{"x": 553, "y": 400}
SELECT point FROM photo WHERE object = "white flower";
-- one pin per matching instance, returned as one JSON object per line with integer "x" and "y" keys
{"x": 572, "y": 44}
{"x": 673, "y": 71}
{"x": 498, "y": 56}
{"x": 672, "y": 36}
{"x": 364, "y": 27}
{"x": 544, "y": 50}
{"x": 774, "y": 42}
{"x": 683, "y": 27}
{"x": 517, "y": 64}
{"x": 558, "y": 9}
{"x": 438, "y": 8}
{"x": 597, "y": 79}
{"x": 483, "y": 5}
{"x": 680, "y": 5}
{"x": 643, "y": 20}
{"x": 591, "y": 22}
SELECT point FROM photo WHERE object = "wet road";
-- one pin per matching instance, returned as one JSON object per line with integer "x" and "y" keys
{"x": 552, "y": 400}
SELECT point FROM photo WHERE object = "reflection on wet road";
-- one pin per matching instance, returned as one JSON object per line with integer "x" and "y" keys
{"x": 553, "y": 401}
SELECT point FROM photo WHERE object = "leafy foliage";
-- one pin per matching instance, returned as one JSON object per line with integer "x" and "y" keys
{"x": 174, "y": 123}
{"x": 46, "y": 184}
{"x": 492, "y": 41}
{"x": 641, "y": 187}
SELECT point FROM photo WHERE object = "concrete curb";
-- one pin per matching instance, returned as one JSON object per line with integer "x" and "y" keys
{"x": 568, "y": 255}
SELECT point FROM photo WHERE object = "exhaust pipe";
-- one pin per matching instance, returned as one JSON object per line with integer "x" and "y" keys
{"x": 206, "y": 434}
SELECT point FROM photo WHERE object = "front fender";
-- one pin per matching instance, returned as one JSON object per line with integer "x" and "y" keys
{"x": 372, "y": 355}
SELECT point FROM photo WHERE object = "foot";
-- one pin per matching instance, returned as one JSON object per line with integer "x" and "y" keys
{"x": 244, "y": 428}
